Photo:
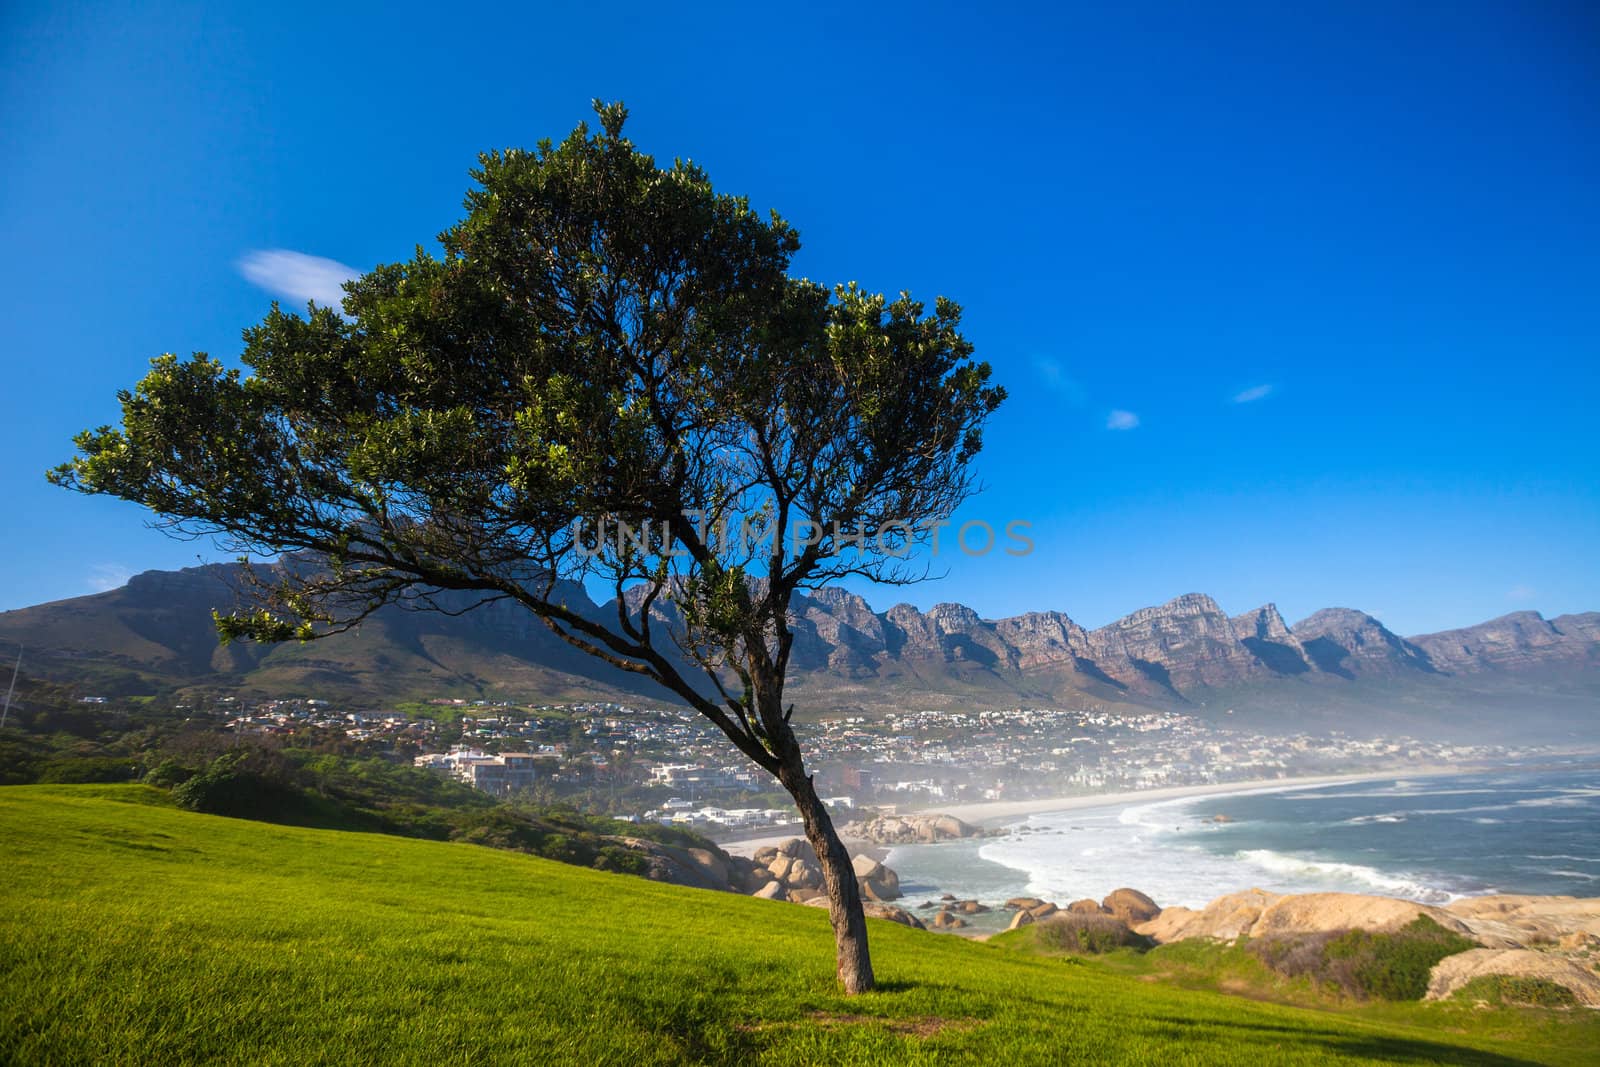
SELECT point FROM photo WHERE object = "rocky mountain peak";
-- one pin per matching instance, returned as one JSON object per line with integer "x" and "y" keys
{"x": 1265, "y": 623}
{"x": 1347, "y": 642}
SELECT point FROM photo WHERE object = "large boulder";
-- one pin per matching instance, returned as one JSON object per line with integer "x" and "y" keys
{"x": 1131, "y": 906}
{"x": 1019, "y": 920}
{"x": 803, "y": 875}
{"x": 799, "y": 848}
{"x": 772, "y": 891}
{"x": 716, "y": 866}
{"x": 1315, "y": 913}
{"x": 1043, "y": 910}
{"x": 1086, "y": 907}
{"x": 877, "y": 881}
{"x": 1453, "y": 972}
{"x": 1225, "y": 919}
{"x": 696, "y": 867}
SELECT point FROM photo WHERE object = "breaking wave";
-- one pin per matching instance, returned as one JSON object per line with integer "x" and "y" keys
{"x": 1358, "y": 876}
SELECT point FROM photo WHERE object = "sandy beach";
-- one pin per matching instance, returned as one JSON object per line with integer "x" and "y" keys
{"x": 990, "y": 813}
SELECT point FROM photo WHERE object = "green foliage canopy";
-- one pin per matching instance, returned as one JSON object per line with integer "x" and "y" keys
{"x": 600, "y": 338}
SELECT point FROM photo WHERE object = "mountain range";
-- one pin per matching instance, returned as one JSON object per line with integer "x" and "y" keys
{"x": 155, "y": 634}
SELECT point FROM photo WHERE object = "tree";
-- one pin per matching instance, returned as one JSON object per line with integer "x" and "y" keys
{"x": 606, "y": 376}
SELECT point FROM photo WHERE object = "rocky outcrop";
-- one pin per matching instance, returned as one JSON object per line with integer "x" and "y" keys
{"x": 909, "y": 829}
{"x": 1310, "y": 913}
{"x": 697, "y": 867}
{"x": 793, "y": 868}
{"x": 1510, "y": 920}
{"x": 1498, "y": 922}
{"x": 1453, "y": 972}
{"x": 1256, "y": 913}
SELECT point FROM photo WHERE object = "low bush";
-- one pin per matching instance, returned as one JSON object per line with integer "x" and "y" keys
{"x": 229, "y": 786}
{"x": 1392, "y": 965}
{"x": 1508, "y": 989}
{"x": 1089, "y": 935}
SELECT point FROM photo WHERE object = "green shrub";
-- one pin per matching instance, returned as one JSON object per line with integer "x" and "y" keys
{"x": 230, "y": 787}
{"x": 168, "y": 774}
{"x": 621, "y": 860}
{"x": 1089, "y": 935}
{"x": 1392, "y": 965}
{"x": 1508, "y": 989}
{"x": 88, "y": 770}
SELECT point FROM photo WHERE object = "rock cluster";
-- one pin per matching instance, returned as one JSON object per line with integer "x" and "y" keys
{"x": 948, "y": 915}
{"x": 910, "y": 829}
{"x": 790, "y": 871}
{"x": 1127, "y": 905}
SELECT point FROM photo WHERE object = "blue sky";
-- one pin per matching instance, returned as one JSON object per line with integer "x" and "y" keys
{"x": 1295, "y": 302}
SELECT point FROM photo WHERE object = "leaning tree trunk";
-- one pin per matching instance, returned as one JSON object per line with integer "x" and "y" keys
{"x": 838, "y": 878}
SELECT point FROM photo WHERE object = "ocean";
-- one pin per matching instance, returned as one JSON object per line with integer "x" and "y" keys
{"x": 1432, "y": 839}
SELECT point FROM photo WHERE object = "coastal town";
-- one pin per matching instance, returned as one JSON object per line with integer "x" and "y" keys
{"x": 669, "y": 765}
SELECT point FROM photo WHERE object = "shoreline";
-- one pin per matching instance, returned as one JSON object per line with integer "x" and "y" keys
{"x": 991, "y": 813}
{"x": 984, "y": 813}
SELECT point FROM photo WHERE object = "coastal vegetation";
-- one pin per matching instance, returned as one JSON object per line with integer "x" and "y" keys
{"x": 1383, "y": 965}
{"x": 133, "y": 931}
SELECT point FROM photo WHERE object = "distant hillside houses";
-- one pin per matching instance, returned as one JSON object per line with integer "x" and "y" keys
{"x": 499, "y": 775}
{"x": 697, "y": 775}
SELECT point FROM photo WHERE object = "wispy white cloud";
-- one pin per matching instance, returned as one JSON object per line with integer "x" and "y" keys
{"x": 296, "y": 276}
{"x": 1521, "y": 593}
{"x": 1057, "y": 380}
{"x": 1255, "y": 392}
{"x": 104, "y": 576}
{"x": 1122, "y": 420}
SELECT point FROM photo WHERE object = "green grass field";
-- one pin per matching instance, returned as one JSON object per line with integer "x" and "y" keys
{"x": 136, "y": 933}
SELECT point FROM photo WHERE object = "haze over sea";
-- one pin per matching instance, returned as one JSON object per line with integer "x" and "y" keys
{"x": 1432, "y": 839}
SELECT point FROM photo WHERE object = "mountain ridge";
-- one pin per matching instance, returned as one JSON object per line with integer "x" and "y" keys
{"x": 156, "y": 632}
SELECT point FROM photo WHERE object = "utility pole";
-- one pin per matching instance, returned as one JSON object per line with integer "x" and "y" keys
{"x": 12, "y": 688}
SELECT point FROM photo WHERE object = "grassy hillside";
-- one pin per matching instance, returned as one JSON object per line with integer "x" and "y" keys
{"x": 133, "y": 932}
